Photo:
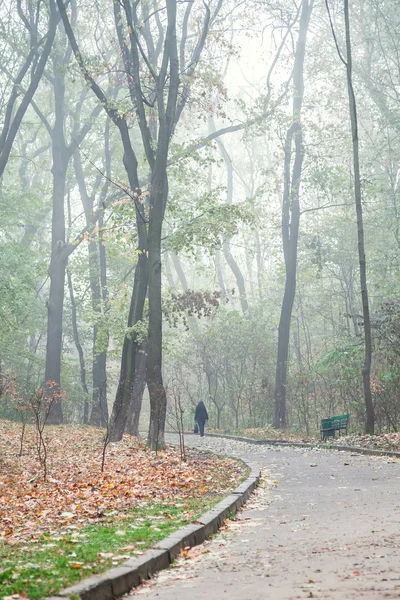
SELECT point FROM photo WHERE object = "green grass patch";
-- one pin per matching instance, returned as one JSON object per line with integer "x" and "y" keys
{"x": 55, "y": 561}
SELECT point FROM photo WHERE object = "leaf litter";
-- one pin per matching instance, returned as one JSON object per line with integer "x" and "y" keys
{"x": 77, "y": 493}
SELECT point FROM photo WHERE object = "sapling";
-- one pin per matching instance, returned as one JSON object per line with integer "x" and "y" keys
{"x": 179, "y": 410}
{"x": 40, "y": 404}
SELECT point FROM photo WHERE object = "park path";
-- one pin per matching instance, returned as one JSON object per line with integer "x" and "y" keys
{"x": 324, "y": 524}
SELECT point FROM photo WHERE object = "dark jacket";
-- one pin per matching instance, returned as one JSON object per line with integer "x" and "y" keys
{"x": 201, "y": 412}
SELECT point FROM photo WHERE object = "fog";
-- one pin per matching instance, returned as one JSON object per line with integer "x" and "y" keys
{"x": 199, "y": 201}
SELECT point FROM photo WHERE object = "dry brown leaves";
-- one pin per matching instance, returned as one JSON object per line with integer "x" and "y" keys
{"x": 76, "y": 493}
{"x": 380, "y": 441}
{"x": 383, "y": 441}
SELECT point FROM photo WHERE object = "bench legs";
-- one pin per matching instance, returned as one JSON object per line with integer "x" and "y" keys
{"x": 327, "y": 433}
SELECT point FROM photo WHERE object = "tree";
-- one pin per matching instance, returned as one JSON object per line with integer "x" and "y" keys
{"x": 291, "y": 216}
{"x": 30, "y": 69}
{"x": 151, "y": 61}
{"x": 366, "y": 371}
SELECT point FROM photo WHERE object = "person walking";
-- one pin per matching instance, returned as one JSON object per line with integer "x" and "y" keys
{"x": 201, "y": 416}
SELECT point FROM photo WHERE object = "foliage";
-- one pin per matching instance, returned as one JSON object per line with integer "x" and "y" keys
{"x": 179, "y": 308}
{"x": 220, "y": 206}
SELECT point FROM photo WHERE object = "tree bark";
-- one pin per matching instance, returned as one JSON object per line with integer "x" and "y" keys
{"x": 291, "y": 219}
{"x": 97, "y": 272}
{"x": 122, "y": 401}
{"x": 158, "y": 399}
{"x": 233, "y": 265}
{"x": 138, "y": 387}
{"x": 366, "y": 372}
{"x": 348, "y": 63}
{"x": 57, "y": 268}
{"x": 158, "y": 197}
{"x": 79, "y": 348}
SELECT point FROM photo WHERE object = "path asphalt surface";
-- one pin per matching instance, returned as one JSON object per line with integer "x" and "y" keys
{"x": 324, "y": 524}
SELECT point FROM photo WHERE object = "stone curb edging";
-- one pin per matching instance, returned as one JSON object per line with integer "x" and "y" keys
{"x": 119, "y": 580}
{"x": 357, "y": 449}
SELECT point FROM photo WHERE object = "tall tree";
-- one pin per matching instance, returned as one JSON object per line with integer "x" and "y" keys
{"x": 62, "y": 152}
{"x": 291, "y": 216}
{"x": 152, "y": 63}
{"x": 348, "y": 63}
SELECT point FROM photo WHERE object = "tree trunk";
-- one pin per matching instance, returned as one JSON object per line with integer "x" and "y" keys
{"x": 99, "y": 414}
{"x": 57, "y": 262}
{"x": 220, "y": 276}
{"x": 122, "y": 401}
{"x": 168, "y": 113}
{"x": 138, "y": 387}
{"x": 158, "y": 399}
{"x": 366, "y": 372}
{"x": 102, "y": 354}
{"x": 291, "y": 219}
{"x": 79, "y": 349}
{"x": 233, "y": 265}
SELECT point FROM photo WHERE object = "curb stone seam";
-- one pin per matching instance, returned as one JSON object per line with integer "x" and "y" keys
{"x": 121, "y": 579}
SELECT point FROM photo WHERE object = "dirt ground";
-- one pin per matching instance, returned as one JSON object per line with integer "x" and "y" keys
{"x": 324, "y": 524}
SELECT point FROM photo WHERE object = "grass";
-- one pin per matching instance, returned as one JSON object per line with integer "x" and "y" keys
{"x": 81, "y": 522}
{"x": 55, "y": 561}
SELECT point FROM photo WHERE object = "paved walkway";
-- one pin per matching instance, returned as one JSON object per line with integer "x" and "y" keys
{"x": 324, "y": 524}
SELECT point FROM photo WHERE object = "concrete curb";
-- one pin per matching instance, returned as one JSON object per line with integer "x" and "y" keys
{"x": 119, "y": 580}
{"x": 356, "y": 449}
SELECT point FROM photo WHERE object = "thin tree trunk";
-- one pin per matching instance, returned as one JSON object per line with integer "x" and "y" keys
{"x": 366, "y": 372}
{"x": 238, "y": 276}
{"x": 57, "y": 262}
{"x": 168, "y": 272}
{"x": 99, "y": 414}
{"x": 291, "y": 219}
{"x": 102, "y": 353}
{"x": 220, "y": 276}
{"x": 79, "y": 348}
{"x": 158, "y": 399}
{"x": 233, "y": 265}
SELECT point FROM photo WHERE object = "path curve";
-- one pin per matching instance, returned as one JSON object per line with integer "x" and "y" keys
{"x": 324, "y": 524}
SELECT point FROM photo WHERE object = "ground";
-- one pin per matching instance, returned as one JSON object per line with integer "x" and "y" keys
{"x": 83, "y": 520}
{"x": 324, "y": 524}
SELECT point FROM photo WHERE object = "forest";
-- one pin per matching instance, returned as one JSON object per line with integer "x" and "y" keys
{"x": 199, "y": 200}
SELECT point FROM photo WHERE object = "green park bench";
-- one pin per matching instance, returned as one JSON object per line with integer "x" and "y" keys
{"x": 332, "y": 424}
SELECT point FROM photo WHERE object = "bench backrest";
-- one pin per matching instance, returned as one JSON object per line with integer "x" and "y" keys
{"x": 339, "y": 421}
